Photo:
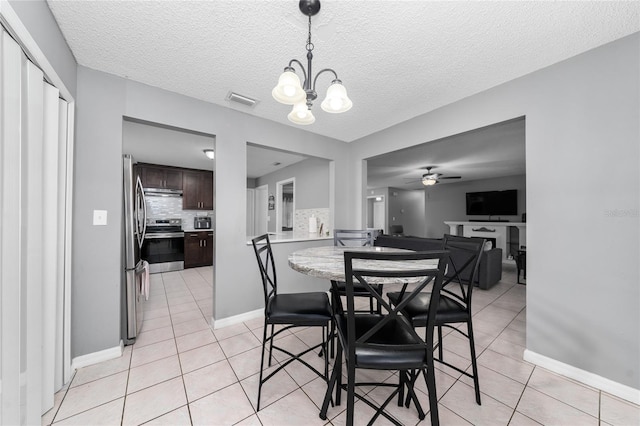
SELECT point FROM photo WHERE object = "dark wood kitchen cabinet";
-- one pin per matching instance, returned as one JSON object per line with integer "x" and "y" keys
{"x": 153, "y": 176}
{"x": 198, "y": 249}
{"x": 197, "y": 190}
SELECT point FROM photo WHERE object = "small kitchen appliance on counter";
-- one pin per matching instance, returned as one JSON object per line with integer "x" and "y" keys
{"x": 202, "y": 222}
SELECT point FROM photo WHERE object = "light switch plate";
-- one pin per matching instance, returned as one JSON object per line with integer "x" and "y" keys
{"x": 99, "y": 217}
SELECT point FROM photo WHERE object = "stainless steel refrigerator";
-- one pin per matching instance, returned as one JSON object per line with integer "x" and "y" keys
{"x": 135, "y": 220}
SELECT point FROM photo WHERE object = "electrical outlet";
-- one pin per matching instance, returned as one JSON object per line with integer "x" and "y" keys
{"x": 99, "y": 217}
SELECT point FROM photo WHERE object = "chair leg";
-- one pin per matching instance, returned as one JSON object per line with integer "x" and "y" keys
{"x": 271, "y": 345}
{"x": 351, "y": 392}
{"x": 411, "y": 394}
{"x": 430, "y": 379}
{"x": 332, "y": 383}
{"x": 401, "y": 386}
{"x": 440, "y": 356}
{"x": 474, "y": 364}
{"x": 325, "y": 349}
{"x": 264, "y": 341}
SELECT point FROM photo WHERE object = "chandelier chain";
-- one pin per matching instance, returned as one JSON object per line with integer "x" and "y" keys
{"x": 309, "y": 44}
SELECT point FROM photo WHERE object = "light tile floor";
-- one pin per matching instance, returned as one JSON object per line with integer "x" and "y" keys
{"x": 180, "y": 372}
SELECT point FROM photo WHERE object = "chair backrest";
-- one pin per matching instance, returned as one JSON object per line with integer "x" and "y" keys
{"x": 353, "y": 237}
{"x": 464, "y": 260}
{"x": 412, "y": 271}
{"x": 266, "y": 263}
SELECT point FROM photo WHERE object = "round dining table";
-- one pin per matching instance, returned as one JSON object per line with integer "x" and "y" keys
{"x": 328, "y": 262}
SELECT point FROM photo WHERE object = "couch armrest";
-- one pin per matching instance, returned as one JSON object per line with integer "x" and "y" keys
{"x": 490, "y": 269}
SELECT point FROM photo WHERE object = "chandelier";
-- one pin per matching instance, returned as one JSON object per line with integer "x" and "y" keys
{"x": 289, "y": 91}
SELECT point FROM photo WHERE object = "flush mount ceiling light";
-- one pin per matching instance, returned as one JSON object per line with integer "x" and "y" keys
{"x": 209, "y": 153}
{"x": 290, "y": 92}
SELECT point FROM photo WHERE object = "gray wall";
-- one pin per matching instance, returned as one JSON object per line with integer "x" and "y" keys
{"x": 311, "y": 188}
{"x": 406, "y": 208}
{"x": 582, "y": 231}
{"x": 583, "y": 297}
{"x": 448, "y": 201}
{"x": 403, "y": 207}
{"x": 39, "y": 21}
{"x": 103, "y": 101}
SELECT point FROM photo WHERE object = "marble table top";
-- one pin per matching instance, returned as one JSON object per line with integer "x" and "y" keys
{"x": 328, "y": 262}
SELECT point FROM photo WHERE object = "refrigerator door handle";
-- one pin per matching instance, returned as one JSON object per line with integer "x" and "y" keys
{"x": 140, "y": 197}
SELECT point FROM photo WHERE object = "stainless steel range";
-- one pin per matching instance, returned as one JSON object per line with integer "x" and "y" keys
{"x": 163, "y": 245}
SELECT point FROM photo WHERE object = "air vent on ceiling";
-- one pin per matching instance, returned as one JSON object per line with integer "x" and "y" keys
{"x": 244, "y": 100}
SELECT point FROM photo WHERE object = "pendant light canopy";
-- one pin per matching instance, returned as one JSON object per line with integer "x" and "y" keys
{"x": 289, "y": 91}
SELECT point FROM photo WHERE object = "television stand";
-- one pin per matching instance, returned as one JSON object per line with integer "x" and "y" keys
{"x": 488, "y": 220}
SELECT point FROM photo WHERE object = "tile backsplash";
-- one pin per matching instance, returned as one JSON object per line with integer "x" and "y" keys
{"x": 171, "y": 208}
{"x": 302, "y": 220}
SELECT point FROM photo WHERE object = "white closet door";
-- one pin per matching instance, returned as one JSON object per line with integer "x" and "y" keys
{"x": 50, "y": 244}
{"x": 32, "y": 253}
{"x": 29, "y": 252}
{"x": 10, "y": 249}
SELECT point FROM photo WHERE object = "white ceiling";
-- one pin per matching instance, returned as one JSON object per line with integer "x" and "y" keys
{"x": 397, "y": 59}
{"x": 169, "y": 146}
{"x": 262, "y": 161}
{"x": 153, "y": 144}
{"x": 489, "y": 152}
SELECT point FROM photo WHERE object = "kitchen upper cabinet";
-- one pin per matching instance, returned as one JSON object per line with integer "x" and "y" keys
{"x": 160, "y": 176}
{"x": 198, "y": 249}
{"x": 197, "y": 190}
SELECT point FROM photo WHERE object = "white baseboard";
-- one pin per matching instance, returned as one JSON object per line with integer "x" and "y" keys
{"x": 96, "y": 357}
{"x": 590, "y": 379}
{"x": 236, "y": 319}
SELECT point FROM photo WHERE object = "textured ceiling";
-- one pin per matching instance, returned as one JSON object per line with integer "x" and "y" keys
{"x": 397, "y": 59}
{"x": 493, "y": 151}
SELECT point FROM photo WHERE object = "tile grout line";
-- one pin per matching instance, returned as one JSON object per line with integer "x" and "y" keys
{"x": 175, "y": 342}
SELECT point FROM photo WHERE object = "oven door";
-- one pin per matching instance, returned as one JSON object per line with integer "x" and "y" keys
{"x": 164, "y": 251}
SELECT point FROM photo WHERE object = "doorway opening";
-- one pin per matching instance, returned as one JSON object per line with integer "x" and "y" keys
{"x": 285, "y": 205}
{"x": 376, "y": 212}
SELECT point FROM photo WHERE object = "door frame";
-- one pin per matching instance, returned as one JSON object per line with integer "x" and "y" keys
{"x": 251, "y": 214}
{"x": 258, "y": 207}
{"x": 384, "y": 203}
{"x": 279, "y": 194}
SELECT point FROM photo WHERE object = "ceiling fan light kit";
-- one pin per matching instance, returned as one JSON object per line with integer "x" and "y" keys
{"x": 289, "y": 91}
{"x": 428, "y": 180}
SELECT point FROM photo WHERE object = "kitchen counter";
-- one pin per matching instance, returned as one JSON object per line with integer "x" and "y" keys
{"x": 290, "y": 237}
{"x": 197, "y": 230}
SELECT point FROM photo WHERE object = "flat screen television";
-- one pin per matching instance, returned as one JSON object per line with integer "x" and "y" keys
{"x": 493, "y": 203}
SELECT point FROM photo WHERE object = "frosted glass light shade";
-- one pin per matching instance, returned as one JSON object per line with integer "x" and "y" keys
{"x": 209, "y": 153}
{"x": 428, "y": 181}
{"x": 301, "y": 114}
{"x": 288, "y": 91}
{"x": 336, "y": 100}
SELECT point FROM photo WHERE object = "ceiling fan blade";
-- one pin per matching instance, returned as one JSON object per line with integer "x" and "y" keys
{"x": 450, "y": 177}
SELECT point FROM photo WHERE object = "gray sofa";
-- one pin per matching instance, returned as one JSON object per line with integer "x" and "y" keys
{"x": 489, "y": 271}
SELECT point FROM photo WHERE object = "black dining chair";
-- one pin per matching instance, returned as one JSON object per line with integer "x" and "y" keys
{"x": 454, "y": 307}
{"x": 386, "y": 340}
{"x": 353, "y": 238}
{"x": 288, "y": 310}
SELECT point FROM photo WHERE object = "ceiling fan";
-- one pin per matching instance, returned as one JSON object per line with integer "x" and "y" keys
{"x": 429, "y": 178}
